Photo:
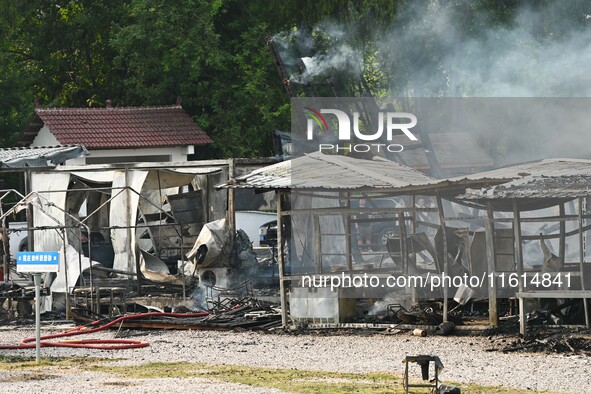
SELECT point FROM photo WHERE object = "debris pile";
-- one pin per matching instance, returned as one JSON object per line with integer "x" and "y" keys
{"x": 249, "y": 313}
{"x": 430, "y": 315}
{"x": 562, "y": 343}
{"x": 232, "y": 314}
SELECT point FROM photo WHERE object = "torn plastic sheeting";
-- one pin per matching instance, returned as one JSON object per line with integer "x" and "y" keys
{"x": 156, "y": 270}
{"x": 95, "y": 176}
{"x": 74, "y": 261}
{"x": 122, "y": 214}
{"x": 211, "y": 242}
{"x": 51, "y": 210}
{"x": 163, "y": 179}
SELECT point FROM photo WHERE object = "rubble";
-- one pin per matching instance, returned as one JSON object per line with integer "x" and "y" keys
{"x": 561, "y": 342}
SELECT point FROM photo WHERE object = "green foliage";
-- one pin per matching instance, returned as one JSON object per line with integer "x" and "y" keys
{"x": 214, "y": 55}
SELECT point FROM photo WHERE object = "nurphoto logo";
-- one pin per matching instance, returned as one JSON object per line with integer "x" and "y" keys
{"x": 389, "y": 124}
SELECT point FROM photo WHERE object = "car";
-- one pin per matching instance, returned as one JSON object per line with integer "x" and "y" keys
{"x": 381, "y": 226}
{"x": 268, "y": 234}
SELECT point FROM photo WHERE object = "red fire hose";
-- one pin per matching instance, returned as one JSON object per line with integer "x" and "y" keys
{"x": 104, "y": 344}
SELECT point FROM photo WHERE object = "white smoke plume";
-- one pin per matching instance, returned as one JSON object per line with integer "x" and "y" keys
{"x": 464, "y": 48}
{"x": 300, "y": 48}
{"x": 538, "y": 52}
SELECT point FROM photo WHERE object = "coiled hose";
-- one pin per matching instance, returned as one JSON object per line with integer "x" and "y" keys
{"x": 103, "y": 344}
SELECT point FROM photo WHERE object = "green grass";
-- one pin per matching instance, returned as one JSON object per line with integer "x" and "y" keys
{"x": 291, "y": 380}
{"x": 23, "y": 369}
{"x": 12, "y": 363}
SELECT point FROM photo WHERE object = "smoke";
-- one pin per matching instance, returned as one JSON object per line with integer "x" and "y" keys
{"x": 344, "y": 57}
{"x": 318, "y": 53}
{"x": 443, "y": 49}
{"x": 200, "y": 295}
{"x": 465, "y": 48}
{"x": 537, "y": 50}
{"x": 380, "y": 307}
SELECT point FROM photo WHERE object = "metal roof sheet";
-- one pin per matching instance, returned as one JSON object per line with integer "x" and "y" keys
{"x": 39, "y": 156}
{"x": 539, "y": 168}
{"x": 320, "y": 171}
{"x": 556, "y": 187}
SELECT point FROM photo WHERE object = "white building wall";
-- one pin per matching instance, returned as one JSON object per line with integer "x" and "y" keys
{"x": 176, "y": 153}
{"x": 45, "y": 138}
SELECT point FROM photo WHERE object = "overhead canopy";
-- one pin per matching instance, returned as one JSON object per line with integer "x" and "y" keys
{"x": 535, "y": 184}
{"x": 333, "y": 172}
{"x": 40, "y": 156}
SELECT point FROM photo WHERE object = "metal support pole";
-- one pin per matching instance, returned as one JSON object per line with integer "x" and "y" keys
{"x": 281, "y": 257}
{"x": 490, "y": 257}
{"x": 519, "y": 261}
{"x": 562, "y": 242}
{"x": 582, "y": 259}
{"x": 347, "y": 221}
{"x": 445, "y": 254}
{"x": 318, "y": 243}
{"x": 63, "y": 258}
{"x": 37, "y": 279}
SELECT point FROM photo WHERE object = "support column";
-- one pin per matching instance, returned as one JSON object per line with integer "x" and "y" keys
{"x": 445, "y": 254}
{"x": 582, "y": 259}
{"x": 491, "y": 264}
{"x": 318, "y": 243}
{"x": 562, "y": 242}
{"x": 347, "y": 222}
{"x": 519, "y": 261}
{"x": 281, "y": 257}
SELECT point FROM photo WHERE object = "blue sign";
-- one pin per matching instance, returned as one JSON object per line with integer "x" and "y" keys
{"x": 37, "y": 261}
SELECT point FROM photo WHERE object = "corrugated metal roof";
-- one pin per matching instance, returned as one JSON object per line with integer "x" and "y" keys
{"x": 549, "y": 178}
{"x": 543, "y": 179}
{"x": 540, "y": 168}
{"x": 39, "y": 156}
{"x": 560, "y": 187}
{"x": 320, "y": 171}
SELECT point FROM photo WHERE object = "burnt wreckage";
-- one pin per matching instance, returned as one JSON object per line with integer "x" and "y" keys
{"x": 491, "y": 245}
{"x": 131, "y": 237}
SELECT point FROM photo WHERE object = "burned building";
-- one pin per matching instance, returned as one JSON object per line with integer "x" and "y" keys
{"x": 505, "y": 227}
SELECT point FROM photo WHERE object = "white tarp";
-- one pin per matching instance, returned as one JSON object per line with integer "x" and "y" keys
{"x": 123, "y": 214}
{"x": 164, "y": 179}
{"x": 51, "y": 213}
{"x": 96, "y": 176}
{"x": 73, "y": 261}
{"x": 123, "y": 206}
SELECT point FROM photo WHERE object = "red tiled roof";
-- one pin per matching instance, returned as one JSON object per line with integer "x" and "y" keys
{"x": 118, "y": 127}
